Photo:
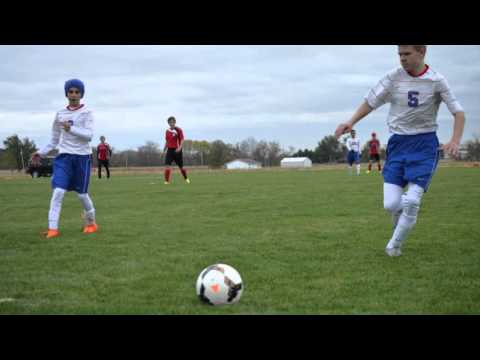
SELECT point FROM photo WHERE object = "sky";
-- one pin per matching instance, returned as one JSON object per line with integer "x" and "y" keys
{"x": 294, "y": 95}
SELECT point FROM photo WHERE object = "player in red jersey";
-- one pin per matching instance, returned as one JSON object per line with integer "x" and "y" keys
{"x": 104, "y": 152}
{"x": 374, "y": 153}
{"x": 173, "y": 146}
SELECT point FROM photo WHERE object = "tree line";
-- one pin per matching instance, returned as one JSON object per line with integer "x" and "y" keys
{"x": 17, "y": 152}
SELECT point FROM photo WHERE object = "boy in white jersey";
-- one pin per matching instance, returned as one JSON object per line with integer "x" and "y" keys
{"x": 72, "y": 131}
{"x": 415, "y": 92}
{"x": 353, "y": 156}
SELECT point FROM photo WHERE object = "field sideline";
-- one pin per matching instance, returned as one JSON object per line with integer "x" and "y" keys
{"x": 305, "y": 242}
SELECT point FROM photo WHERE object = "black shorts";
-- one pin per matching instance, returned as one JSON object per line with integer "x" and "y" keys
{"x": 375, "y": 157}
{"x": 105, "y": 163}
{"x": 172, "y": 156}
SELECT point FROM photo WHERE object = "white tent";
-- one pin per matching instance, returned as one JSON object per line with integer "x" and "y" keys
{"x": 296, "y": 162}
{"x": 243, "y": 164}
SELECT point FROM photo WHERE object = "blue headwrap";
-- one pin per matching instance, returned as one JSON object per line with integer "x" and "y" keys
{"x": 76, "y": 84}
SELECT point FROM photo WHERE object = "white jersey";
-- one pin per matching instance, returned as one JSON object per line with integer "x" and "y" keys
{"x": 76, "y": 141}
{"x": 414, "y": 100}
{"x": 353, "y": 144}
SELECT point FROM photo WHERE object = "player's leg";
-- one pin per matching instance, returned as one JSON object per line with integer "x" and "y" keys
{"x": 62, "y": 170}
{"x": 179, "y": 162}
{"x": 107, "y": 168}
{"x": 82, "y": 180}
{"x": 379, "y": 165}
{"x": 369, "y": 165}
{"x": 54, "y": 212}
{"x": 168, "y": 162}
{"x": 357, "y": 162}
{"x": 88, "y": 207}
{"x": 392, "y": 201}
{"x": 99, "y": 169}
{"x": 419, "y": 169}
{"x": 408, "y": 218}
{"x": 350, "y": 162}
{"x": 394, "y": 182}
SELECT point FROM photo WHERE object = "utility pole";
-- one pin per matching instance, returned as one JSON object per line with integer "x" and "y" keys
{"x": 21, "y": 156}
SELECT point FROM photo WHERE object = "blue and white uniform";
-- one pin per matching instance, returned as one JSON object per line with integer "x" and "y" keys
{"x": 353, "y": 146}
{"x": 71, "y": 168}
{"x": 413, "y": 149}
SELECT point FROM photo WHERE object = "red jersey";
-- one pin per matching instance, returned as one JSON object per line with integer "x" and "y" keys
{"x": 174, "y": 137}
{"x": 103, "y": 150}
{"x": 373, "y": 146}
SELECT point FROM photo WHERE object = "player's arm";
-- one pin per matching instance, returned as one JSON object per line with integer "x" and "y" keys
{"x": 109, "y": 151}
{"x": 348, "y": 145}
{"x": 180, "y": 140}
{"x": 85, "y": 132}
{"x": 376, "y": 97}
{"x": 166, "y": 142}
{"x": 452, "y": 147}
{"x": 54, "y": 140}
{"x": 362, "y": 111}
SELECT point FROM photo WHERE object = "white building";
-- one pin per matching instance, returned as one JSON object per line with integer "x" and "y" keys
{"x": 296, "y": 162}
{"x": 243, "y": 164}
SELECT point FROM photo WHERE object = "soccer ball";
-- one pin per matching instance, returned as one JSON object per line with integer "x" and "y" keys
{"x": 219, "y": 284}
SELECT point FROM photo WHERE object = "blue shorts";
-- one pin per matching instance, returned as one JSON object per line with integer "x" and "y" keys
{"x": 353, "y": 157}
{"x": 411, "y": 158}
{"x": 72, "y": 172}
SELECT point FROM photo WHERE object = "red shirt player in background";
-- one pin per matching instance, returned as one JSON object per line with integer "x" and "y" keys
{"x": 374, "y": 153}
{"x": 173, "y": 145}
{"x": 103, "y": 155}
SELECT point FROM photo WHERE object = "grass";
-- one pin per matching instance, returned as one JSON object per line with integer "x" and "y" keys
{"x": 304, "y": 241}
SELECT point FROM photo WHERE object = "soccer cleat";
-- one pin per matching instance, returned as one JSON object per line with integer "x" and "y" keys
{"x": 88, "y": 229}
{"x": 187, "y": 181}
{"x": 368, "y": 171}
{"x": 166, "y": 183}
{"x": 51, "y": 233}
{"x": 395, "y": 251}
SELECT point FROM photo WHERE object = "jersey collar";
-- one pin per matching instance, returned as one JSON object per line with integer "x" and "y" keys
{"x": 422, "y": 73}
{"x": 74, "y": 108}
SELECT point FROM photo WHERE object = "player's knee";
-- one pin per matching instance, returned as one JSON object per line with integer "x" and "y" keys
{"x": 411, "y": 205}
{"x": 58, "y": 194}
{"x": 392, "y": 205}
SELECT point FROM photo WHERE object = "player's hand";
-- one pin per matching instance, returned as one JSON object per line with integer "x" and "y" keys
{"x": 451, "y": 148}
{"x": 343, "y": 129}
{"x": 178, "y": 150}
{"x": 66, "y": 126}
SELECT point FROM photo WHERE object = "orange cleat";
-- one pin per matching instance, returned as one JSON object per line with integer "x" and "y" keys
{"x": 90, "y": 228}
{"x": 51, "y": 233}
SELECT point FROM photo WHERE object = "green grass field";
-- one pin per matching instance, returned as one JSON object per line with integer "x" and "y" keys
{"x": 305, "y": 242}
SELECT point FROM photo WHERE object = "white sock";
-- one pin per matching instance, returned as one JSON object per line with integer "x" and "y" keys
{"x": 350, "y": 170}
{"x": 358, "y": 169}
{"x": 408, "y": 218}
{"x": 395, "y": 218}
{"x": 88, "y": 206}
{"x": 55, "y": 208}
{"x": 392, "y": 201}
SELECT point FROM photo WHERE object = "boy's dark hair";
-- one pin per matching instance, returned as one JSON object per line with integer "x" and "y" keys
{"x": 171, "y": 118}
{"x": 418, "y": 47}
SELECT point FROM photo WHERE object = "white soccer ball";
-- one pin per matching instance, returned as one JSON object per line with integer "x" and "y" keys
{"x": 219, "y": 284}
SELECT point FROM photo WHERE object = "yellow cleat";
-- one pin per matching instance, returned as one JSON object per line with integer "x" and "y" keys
{"x": 187, "y": 181}
{"x": 88, "y": 229}
{"x": 368, "y": 171}
{"x": 166, "y": 183}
